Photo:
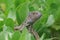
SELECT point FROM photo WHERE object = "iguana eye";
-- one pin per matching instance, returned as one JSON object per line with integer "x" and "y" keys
{"x": 33, "y": 13}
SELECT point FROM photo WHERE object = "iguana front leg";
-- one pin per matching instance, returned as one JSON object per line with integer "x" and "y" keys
{"x": 21, "y": 27}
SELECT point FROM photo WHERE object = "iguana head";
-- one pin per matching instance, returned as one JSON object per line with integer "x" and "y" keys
{"x": 33, "y": 16}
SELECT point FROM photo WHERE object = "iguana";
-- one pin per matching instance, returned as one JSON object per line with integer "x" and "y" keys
{"x": 29, "y": 21}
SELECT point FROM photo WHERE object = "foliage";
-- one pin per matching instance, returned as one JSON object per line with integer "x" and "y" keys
{"x": 14, "y": 12}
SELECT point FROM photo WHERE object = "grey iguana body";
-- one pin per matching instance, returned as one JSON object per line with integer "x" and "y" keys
{"x": 30, "y": 19}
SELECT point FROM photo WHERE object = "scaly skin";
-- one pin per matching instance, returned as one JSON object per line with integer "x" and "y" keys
{"x": 31, "y": 18}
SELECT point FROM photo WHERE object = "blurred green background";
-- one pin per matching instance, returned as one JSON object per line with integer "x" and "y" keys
{"x": 14, "y": 12}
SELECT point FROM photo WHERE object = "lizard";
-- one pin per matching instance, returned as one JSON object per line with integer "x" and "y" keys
{"x": 29, "y": 21}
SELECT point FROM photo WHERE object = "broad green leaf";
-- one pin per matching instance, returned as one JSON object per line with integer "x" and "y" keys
{"x": 33, "y": 7}
{"x": 9, "y": 22}
{"x": 2, "y": 15}
{"x": 50, "y": 20}
{"x": 32, "y": 37}
{"x": 22, "y": 12}
{"x": 12, "y": 15}
{"x": 19, "y": 2}
{"x": 10, "y": 35}
{"x": 24, "y": 34}
{"x": 28, "y": 37}
{"x": 16, "y": 35}
{"x": 1, "y": 25}
{"x": 57, "y": 18}
{"x": 2, "y": 36}
{"x": 57, "y": 27}
{"x": 42, "y": 37}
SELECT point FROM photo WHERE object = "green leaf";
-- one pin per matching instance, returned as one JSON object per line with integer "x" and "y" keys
{"x": 32, "y": 37}
{"x": 50, "y": 20}
{"x": 19, "y": 2}
{"x": 9, "y": 22}
{"x": 28, "y": 37}
{"x": 42, "y": 37}
{"x": 57, "y": 27}
{"x": 24, "y": 34}
{"x": 2, "y": 36}
{"x": 1, "y": 25}
{"x": 12, "y": 15}
{"x": 16, "y": 35}
{"x": 33, "y": 7}
{"x": 22, "y": 12}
